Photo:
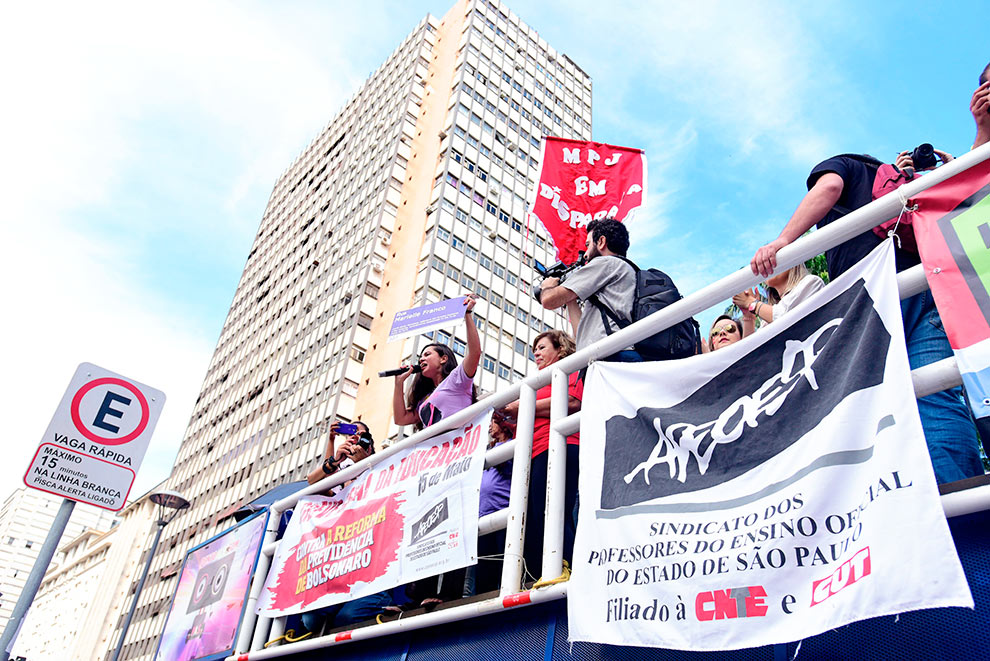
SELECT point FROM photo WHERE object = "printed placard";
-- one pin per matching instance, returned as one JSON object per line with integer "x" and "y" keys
{"x": 426, "y": 318}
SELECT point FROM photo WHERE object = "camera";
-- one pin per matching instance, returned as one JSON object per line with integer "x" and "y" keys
{"x": 923, "y": 157}
{"x": 365, "y": 441}
{"x": 558, "y": 270}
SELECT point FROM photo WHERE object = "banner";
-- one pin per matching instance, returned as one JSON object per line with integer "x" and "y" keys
{"x": 410, "y": 517}
{"x": 449, "y": 312}
{"x": 211, "y": 594}
{"x": 952, "y": 228}
{"x": 581, "y": 181}
{"x": 765, "y": 492}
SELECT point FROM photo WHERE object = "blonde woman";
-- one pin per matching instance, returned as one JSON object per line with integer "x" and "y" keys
{"x": 787, "y": 289}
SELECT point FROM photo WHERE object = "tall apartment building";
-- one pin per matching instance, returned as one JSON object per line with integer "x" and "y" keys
{"x": 416, "y": 191}
{"x": 25, "y": 519}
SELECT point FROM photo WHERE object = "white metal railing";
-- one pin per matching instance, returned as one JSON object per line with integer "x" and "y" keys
{"x": 931, "y": 378}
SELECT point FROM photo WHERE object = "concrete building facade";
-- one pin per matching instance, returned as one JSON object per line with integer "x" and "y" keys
{"x": 87, "y": 590}
{"x": 417, "y": 190}
{"x": 25, "y": 519}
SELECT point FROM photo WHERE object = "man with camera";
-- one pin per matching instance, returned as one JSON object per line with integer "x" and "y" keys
{"x": 840, "y": 185}
{"x": 605, "y": 277}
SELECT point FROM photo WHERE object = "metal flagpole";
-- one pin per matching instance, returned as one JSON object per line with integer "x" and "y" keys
{"x": 34, "y": 578}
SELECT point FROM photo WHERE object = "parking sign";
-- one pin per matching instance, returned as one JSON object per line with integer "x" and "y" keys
{"x": 97, "y": 438}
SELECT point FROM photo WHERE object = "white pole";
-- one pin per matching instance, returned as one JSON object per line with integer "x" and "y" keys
{"x": 553, "y": 534}
{"x": 515, "y": 528}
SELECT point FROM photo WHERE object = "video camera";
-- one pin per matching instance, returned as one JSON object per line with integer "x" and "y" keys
{"x": 558, "y": 270}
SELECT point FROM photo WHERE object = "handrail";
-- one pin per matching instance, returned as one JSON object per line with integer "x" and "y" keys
{"x": 927, "y": 379}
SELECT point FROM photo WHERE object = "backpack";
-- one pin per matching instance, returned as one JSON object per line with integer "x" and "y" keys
{"x": 655, "y": 291}
{"x": 889, "y": 179}
{"x": 886, "y": 179}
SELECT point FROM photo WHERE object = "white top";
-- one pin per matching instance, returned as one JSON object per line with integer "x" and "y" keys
{"x": 808, "y": 285}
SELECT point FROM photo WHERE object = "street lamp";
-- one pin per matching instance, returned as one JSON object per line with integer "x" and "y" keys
{"x": 166, "y": 500}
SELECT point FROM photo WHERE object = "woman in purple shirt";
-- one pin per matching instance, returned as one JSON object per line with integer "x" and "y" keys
{"x": 442, "y": 388}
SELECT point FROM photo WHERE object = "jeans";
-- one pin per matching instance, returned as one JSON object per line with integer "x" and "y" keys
{"x": 347, "y": 613}
{"x": 948, "y": 425}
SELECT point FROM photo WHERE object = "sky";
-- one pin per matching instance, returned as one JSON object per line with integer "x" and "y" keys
{"x": 139, "y": 143}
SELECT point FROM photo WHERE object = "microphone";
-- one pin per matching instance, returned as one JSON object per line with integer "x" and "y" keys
{"x": 399, "y": 370}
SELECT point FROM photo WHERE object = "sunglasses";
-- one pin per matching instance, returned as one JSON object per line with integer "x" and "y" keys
{"x": 724, "y": 330}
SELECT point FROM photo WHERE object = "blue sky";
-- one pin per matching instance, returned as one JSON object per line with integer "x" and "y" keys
{"x": 141, "y": 142}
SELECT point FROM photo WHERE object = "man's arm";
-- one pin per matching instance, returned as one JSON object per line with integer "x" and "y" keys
{"x": 554, "y": 295}
{"x": 980, "y": 107}
{"x": 822, "y": 197}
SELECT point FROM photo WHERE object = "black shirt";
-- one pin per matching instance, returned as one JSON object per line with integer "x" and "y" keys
{"x": 857, "y": 191}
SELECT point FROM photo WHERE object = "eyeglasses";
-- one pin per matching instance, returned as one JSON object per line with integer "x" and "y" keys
{"x": 724, "y": 330}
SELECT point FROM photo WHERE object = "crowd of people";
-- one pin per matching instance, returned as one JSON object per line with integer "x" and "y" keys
{"x": 607, "y": 282}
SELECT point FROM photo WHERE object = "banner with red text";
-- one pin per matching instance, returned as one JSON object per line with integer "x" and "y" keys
{"x": 412, "y": 516}
{"x": 582, "y": 181}
{"x": 951, "y": 223}
{"x": 766, "y": 492}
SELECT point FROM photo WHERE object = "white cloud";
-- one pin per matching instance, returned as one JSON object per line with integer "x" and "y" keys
{"x": 96, "y": 92}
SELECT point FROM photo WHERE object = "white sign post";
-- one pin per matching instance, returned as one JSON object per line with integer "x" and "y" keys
{"x": 96, "y": 439}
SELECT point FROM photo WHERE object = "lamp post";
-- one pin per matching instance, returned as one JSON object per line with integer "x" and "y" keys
{"x": 165, "y": 500}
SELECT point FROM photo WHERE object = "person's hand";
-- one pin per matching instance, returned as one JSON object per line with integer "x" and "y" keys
{"x": 469, "y": 302}
{"x": 980, "y": 107}
{"x": 512, "y": 409}
{"x": 744, "y": 299}
{"x": 344, "y": 451}
{"x": 401, "y": 377}
{"x": 765, "y": 259}
{"x": 944, "y": 156}
{"x": 549, "y": 283}
{"x": 335, "y": 428}
{"x": 903, "y": 161}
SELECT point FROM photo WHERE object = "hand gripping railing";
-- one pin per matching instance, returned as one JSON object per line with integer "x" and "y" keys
{"x": 928, "y": 379}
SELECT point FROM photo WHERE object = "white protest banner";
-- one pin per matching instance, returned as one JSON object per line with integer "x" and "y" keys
{"x": 414, "y": 321}
{"x": 411, "y": 517}
{"x": 97, "y": 438}
{"x": 765, "y": 492}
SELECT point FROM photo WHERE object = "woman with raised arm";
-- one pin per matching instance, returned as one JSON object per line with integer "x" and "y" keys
{"x": 442, "y": 387}
{"x": 787, "y": 289}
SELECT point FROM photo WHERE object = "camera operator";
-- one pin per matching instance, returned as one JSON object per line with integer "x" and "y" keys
{"x": 838, "y": 186}
{"x": 606, "y": 277}
{"x": 355, "y": 447}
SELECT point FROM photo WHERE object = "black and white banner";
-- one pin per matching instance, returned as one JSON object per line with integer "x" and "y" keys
{"x": 766, "y": 492}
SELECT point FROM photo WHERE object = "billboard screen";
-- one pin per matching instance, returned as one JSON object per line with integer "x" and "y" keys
{"x": 209, "y": 599}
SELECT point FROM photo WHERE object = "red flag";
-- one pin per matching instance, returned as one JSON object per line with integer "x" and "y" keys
{"x": 583, "y": 181}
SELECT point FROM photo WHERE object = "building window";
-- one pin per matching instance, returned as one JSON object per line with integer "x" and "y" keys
{"x": 504, "y": 372}
{"x": 521, "y": 347}
{"x": 459, "y": 347}
{"x": 364, "y": 321}
{"x": 486, "y": 262}
{"x": 489, "y": 363}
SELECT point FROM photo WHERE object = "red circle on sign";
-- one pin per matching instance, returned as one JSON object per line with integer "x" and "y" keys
{"x": 77, "y": 420}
